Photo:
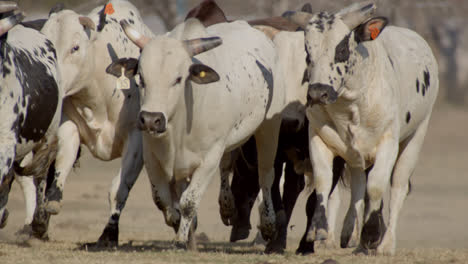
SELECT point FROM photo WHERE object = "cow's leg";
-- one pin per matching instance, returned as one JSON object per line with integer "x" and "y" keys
{"x": 333, "y": 208}
{"x": 352, "y": 224}
{"x": 191, "y": 197}
{"x": 307, "y": 247}
{"x": 163, "y": 193}
{"x": 29, "y": 193}
{"x": 267, "y": 141}
{"x": 278, "y": 244}
{"x": 402, "y": 172}
{"x": 68, "y": 146}
{"x": 378, "y": 180}
{"x": 227, "y": 207}
{"x": 5, "y": 188}
{"x": 132, "y": 163}
{"x": 322, "y": 161}
{"x": 40, "y": 223}
{"x": 245, "y": 189}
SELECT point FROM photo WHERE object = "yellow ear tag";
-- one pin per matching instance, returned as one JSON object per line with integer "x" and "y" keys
{"x": 123, "y": 82}
{"x": 202, "y": 74}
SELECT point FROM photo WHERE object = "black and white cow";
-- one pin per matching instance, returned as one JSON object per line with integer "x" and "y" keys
{"x": 371, "y": 91}
{"x": 31, "y": 111}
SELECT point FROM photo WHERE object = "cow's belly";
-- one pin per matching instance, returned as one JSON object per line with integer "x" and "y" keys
{"x": 98, "y": 135}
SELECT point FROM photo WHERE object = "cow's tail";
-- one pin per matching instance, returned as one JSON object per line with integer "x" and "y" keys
{"x": 42, "y": 159}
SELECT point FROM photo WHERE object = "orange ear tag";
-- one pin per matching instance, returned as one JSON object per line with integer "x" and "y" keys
{"x": 374, "y": 32}
{"x": 109, "y": 10}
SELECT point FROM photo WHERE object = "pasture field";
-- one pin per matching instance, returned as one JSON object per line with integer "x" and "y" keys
{"x": 432, "y": 227}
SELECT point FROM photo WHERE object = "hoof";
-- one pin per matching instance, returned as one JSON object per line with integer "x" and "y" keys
{"x": 179, "y": 245}
{"x": 268, "y": 232}
{"x": 24, "y": 234}
{"x": 317, "y": 235}
{"x": 109, "y": 237}
{"x": 305, "y": 248}
{"x": 4, "y": 220}
{"x": 53, "y": 207}
{"x": 276, "y": 246}
{"x": 239, "y": 233}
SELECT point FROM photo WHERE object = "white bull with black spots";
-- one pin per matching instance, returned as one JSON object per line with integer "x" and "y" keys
{"x": 371, "y": 92}
{"x": 31, "y": 111}
{"x": 199, "y": 102}
{"x": 97, "y": 114}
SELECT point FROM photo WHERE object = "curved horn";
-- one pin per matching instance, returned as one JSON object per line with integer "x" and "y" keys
{"x": 357, "y": 13}
{"x": 87, "y": 22}
{"x": 299, "y": 17}
{"x": 199, "y": 45}
{"x": 7, "y": 6}
{"x": 135, "y": 36}
{"x": 9, "y": 22}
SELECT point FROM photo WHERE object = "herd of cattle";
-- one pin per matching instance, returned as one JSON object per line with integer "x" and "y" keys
{"x": 313, "y": 97}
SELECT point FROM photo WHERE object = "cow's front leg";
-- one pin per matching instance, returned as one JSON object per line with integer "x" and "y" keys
{"x": 266, "y": 139}
{"x": 191, "y": 197}
{"x": 322, "y": 162}
{"x": 227, "y": 207}
{"x": 162, "y": 191}
{"x": 5, "y": 188}
{"x": 68, "y": 147}
{"x": 378, "y": 180}
{"x": 132, "y": 163}
{"x": 352, "y": 225}
{"x": 402, "y": 172}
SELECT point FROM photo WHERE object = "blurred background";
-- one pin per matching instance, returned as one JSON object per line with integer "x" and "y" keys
{"x": 440, "y": 22}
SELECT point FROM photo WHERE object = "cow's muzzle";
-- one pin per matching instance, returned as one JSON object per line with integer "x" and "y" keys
{"x": 321, "y": 94}
{"x": 153, "y": 123}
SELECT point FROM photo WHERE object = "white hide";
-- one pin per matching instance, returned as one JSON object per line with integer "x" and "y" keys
{"x": 94, "y": 107}
{"x": 379, "y": 119}
{"x": 207, "y": 120}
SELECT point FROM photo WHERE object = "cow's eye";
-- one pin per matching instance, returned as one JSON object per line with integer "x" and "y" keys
{"x": 75, "y": 49}
{"x": 178, "y": 80}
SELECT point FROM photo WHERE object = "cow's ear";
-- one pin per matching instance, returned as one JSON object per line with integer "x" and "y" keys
{"x": 128, "y": 65}
{"x": 202, "y": 74}
{"x": 370, "y": 29}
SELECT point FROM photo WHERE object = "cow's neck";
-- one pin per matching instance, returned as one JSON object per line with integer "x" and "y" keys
{"x": 357, "y": 114}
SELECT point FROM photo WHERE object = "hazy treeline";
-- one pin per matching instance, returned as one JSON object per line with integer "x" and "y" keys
{"x": 440, "y": 22}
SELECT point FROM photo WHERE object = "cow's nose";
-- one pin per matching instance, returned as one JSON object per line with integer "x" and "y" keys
{"x": 321, "y": 94}
{"x": 152, "y": 122}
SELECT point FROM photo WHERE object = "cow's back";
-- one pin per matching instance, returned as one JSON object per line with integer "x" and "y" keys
{"x": 251, "y": 85}
{"x": 414, "y": 67}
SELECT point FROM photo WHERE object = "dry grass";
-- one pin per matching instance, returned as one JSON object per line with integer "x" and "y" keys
{"x": 158, "y": 252}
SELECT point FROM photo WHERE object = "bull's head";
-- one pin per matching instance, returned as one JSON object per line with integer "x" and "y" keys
{"x": 72, "y": 36}
{"x": 166, "y": 67}
{"x": 334, "y": 50}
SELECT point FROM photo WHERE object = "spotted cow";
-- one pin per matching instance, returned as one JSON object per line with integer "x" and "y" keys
{"x": 96, "y": 114}
{"x": 371, "y": 91}
{"x": 31, "y": 112}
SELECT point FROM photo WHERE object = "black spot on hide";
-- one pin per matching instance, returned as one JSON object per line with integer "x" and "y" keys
{"x": 39, "y": 87}
{"x": 268, "y": 76}
{"x": 342, "y": 50}
{"x": 408, "y": 117}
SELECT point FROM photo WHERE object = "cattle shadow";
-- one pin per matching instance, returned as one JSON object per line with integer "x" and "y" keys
{"x": 166, "y": 245}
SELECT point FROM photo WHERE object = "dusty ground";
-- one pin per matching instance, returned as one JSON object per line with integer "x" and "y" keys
{"x": 432, "y": 226}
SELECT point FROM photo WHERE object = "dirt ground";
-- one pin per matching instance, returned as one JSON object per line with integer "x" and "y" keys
{"x": 432, "y": 227}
